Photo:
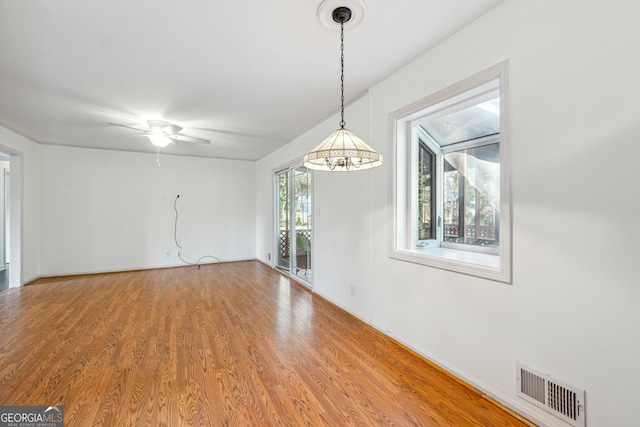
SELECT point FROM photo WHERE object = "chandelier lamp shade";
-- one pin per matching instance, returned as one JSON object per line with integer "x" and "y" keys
{"x": 342, "y": 151}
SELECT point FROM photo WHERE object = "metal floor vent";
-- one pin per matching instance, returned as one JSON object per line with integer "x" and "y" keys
{"x": 554, "y": 396}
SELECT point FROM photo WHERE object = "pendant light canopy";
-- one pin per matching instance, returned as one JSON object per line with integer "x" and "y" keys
{"x": 342, "y": 151}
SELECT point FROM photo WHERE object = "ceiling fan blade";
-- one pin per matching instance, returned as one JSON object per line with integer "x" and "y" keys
{"x": 185, "y": 138}
{"x": 171, "y": 129}
{"x": 129, "y": 127}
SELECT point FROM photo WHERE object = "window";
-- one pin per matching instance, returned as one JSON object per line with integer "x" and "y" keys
{"x": 451, "y": 193}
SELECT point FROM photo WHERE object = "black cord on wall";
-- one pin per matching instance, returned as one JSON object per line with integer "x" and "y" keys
{"x": 175, "y": 237}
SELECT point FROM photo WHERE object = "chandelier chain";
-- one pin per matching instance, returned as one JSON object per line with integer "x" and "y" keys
{"x": 342, "y": 123}
{"x": 342, "y": 150}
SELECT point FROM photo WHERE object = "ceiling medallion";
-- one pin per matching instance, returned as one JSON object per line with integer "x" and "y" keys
{"x": 325, "y": 11}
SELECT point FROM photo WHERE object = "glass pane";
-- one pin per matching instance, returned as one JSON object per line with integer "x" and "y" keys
{"x": 472, "y": 180}
{"x": 283, "y": 221}
{"x": 451, "y": 200}
{"x": 303, "y": 215}
{"x": 470, "y": 123}
{"x": 426, "y": 193}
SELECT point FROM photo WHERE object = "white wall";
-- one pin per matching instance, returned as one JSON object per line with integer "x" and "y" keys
{"x": 25, "y": 206}
{"x": 573, "y": 309}
{"x": 108, "y": 210}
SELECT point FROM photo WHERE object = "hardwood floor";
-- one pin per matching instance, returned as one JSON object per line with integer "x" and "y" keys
{"x": 234, "y": 344}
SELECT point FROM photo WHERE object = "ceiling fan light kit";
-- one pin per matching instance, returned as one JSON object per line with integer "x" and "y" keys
{"x": 342, "y": 151}
{"x": 158, "y": 135}
{"x": 159, "y": 140}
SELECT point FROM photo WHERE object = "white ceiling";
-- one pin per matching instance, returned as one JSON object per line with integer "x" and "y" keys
{"x": 249, "y": 75}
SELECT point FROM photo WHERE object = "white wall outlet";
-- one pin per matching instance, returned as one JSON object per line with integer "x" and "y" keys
{"x": 353, "y": 289}
{"x": 167, "y": 253}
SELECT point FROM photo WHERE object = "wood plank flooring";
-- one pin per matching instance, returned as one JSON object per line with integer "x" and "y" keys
{"x": 235, "y": 344}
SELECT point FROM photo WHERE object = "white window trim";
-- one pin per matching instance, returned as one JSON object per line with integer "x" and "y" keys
{"x": 493, "y": 267}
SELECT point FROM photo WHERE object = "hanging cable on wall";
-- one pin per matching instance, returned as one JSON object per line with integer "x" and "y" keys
{"x": 175, "y": 237}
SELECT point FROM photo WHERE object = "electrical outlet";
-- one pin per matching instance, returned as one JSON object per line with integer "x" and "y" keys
{"x": 353, "y": 290}
{"x": 167, "y": 253}
{"x": 269, "y": 255}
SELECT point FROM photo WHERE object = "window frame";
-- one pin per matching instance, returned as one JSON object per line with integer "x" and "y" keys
{"x": 493, "y": 263}
{"x": 423, "y": 139}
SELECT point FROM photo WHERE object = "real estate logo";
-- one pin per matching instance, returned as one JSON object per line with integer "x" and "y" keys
{"x": 31, "y": 416}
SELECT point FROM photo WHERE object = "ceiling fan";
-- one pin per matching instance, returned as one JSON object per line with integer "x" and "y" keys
{"x": 162, "y": 133}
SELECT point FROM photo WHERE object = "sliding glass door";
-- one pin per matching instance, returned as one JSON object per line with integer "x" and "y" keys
{"x": 294, "y": 221}
{"x": 283, "y": 220}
